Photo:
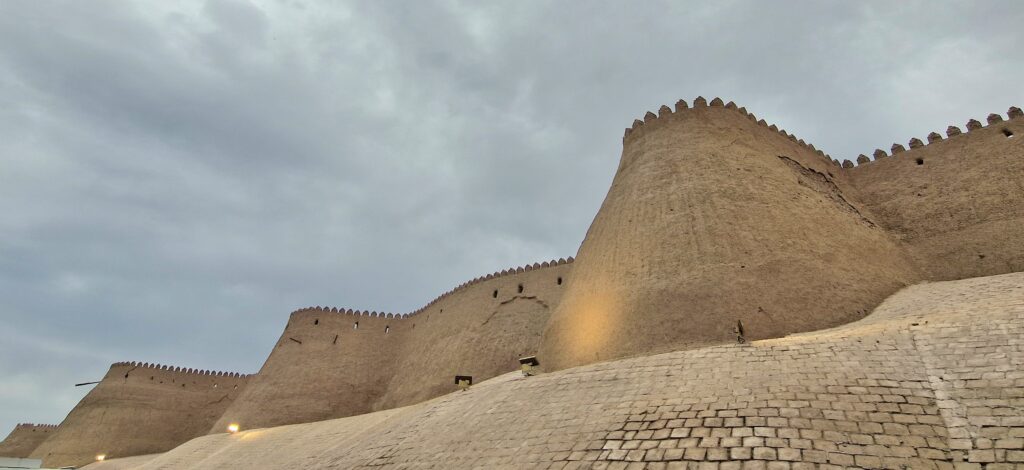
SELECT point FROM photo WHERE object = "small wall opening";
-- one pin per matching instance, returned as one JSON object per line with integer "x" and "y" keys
{"x": 520, "y": 288}
{"x": 559, "y": 280}
{"x": 1007, "y": 133}
{"x": 355, "y": 326}
{"x": 386, "y": 329}
{"x": 495, "y": 294}
{"x": 919, "y": 161}
{"x": 316, "y": 322}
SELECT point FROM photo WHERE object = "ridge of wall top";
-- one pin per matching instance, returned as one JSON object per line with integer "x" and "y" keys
{"x": 664, "y": 112}
{"x": 460, "y": 287}
{"x": 934, "y": 137}
{"x": 180, "y": 370}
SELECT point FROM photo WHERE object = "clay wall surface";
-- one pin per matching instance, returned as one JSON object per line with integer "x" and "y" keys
{"x": 714, "y": 217}
{"x": 957, "y": 202}
{"x": 323, "y": 367}
{"x": 929, "y": 380}
{"x": 24, "y": 438}
{"x": 140, "y": 409}
{"x": 475, "y": 333}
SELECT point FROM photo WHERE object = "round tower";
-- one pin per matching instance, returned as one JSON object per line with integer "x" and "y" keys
{"x": 713, "y": 219}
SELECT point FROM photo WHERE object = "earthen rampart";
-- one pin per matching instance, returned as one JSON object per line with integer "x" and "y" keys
{"x": 332, "y": 362}
{"x": 24, "y": 438}
{"x": 140, "y": 408}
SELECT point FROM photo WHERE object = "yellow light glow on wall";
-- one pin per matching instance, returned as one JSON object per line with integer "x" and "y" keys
{"x": 233, "y": 428}
{"x": 101, "y": 457}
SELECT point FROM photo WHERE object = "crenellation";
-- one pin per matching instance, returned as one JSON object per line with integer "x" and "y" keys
{"x": 664, "y": 111}
{"x": 994, "y": 119}
{"x": 952, "y": 131}
{"x": 973, "y": 125}
{"x": 649, "y": 116}
{"x": 897, "y": 148}
{"x": 700, "y": 102}
{"x": 934, "y": 137}
{"x": 879, "y": 154}
{"x": 681, "y": 105}
{"x": 916, "y": 143}
{"x": 847, "y": 164}
{"x": 731, "y": 105}
{"x": 861, "y": 159}
{"x": 717, "y": 102}
{"x": 1014, "y": 112}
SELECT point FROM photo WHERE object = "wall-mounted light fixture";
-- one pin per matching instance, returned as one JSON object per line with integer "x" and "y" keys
{"x": 463, "y": 381}
{"x": 527, "y": 364}
{"x": 233, "y": 428}
{"x": 101, "y": 457}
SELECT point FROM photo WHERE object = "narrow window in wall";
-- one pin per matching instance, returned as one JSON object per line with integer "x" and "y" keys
{"x": 387, "y": 329}
{"x": 495, "y": 294}
{"x": 559, "y": 281}
{"x": 520, "y": 288}
{"x": 1007, "y": 133}
{"x": 316, "y": 322}
{"x": 920, "y": 161}
{"x": 355, "y": 326}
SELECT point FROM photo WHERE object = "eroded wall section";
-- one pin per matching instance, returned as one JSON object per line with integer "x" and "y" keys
{"x": 140, "y": 409}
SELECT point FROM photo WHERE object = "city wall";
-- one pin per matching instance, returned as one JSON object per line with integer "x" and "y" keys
{"x": 332, "y": 362}
{"x": 24, "y": 438}
{"x": 140, "y": 409}
{"x": 716, "y": 224}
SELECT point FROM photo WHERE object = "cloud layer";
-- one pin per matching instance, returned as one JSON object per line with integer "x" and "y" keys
{"x": 176, "y": 178}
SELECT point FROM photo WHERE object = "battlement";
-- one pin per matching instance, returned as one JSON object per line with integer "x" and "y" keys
{"x": 460, "y": 287}
{"x": 665, "y": 114}
{"x": 176, "y": 370}
{"x": 35, "y": 426}
{"x": 953, "y": 134}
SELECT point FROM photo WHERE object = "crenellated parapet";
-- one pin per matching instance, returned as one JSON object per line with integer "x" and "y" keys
{"x": 952, "y": 133}
{"x": 177, "y": 370}
{"x": 35, "y": 426}
{"x": 400, "y": 316}
{"x": 665, "y": 114}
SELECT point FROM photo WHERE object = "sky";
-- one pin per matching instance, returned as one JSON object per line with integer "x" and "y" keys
{"x": 177, "y": 177}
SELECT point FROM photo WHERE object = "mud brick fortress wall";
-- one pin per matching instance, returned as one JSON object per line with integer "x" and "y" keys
{"x": 24, "y": 438}
{"x": 332, "y": 362}
{"x": 140, "y": 409}
{"x": 714, "y": 217}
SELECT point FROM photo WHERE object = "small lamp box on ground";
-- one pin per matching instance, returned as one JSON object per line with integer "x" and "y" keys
{"x": 527, "y": 364}
{"x": 463, "y": 381}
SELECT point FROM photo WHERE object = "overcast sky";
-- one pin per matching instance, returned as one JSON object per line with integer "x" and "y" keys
{"x": 176, "y": 177}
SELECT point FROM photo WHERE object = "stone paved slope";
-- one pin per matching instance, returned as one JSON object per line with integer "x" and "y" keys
{"x": 930, "y": 379}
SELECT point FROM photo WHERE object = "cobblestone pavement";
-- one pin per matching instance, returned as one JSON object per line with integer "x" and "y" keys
{"x": 931, "y": 379}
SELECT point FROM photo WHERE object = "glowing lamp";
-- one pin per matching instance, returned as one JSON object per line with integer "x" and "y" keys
{"x": 463, "y": 381}
{"x": 101, "y": 457}
{"x": 233, "y": 428}
{"x": 527, "y": 364}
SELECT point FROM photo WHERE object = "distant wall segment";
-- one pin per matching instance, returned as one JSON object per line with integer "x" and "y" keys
{"x": 332, "y": 362}
{"x": 140, "y": 408}
{"x": 24, "y": 438}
